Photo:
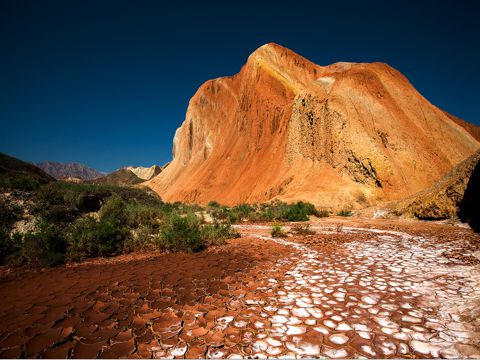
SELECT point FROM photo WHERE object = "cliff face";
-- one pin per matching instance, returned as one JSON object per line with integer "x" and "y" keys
{"x": 342, "y": 135}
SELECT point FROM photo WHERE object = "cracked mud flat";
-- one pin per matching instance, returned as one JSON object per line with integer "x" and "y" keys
{"x": 361, "y": 292}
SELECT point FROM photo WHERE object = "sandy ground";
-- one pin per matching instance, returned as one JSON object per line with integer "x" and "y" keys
{"x": 357, "y": 288}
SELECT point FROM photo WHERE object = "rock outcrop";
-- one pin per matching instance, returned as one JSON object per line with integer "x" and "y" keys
{"x": 145, "y": 173}
{"x": 448, "y": 196}
{"x": 343, "y": 135}
{"x": 129, "y": 175}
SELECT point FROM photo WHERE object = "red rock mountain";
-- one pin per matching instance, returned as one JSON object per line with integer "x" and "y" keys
{"x": 343, "y": 135}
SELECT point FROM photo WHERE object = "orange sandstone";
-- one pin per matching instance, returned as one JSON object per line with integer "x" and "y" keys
{"x": 347, "y": 134}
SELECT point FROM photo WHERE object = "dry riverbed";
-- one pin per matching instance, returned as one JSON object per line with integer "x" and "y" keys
{"x": 357, "y": 288}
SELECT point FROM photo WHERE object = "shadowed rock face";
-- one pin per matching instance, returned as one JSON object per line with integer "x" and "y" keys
{"x": 456, "y": 192}
{"x": 284, "y": 127}
{"x": 469, "y": 207}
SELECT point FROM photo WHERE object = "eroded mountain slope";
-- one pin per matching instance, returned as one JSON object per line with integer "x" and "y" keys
{"x": 347, "y": 134}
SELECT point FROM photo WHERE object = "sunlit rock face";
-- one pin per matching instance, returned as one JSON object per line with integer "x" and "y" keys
{"x": 347, "y": 134}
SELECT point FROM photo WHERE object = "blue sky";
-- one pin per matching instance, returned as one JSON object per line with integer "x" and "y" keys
{"x": 106, "y": 83}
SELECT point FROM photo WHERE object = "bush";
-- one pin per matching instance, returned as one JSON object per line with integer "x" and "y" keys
{"x": 143, "y": 238}
{"x": 277, "y": 231}
{"x": 187, "y": 233}
{"x": 91, "y": 238}
{"x": 24, "y": 183}
{"x": 302, "y": 229}
{"x": 287, "y": 212}
{"x": 5, "y": 245}
{"x": 46, "y": 247}
{"x": 213, "y": 203}
{"x": 9, "y": 214}
{"x": 244, "y": 211}
{"x": 77, "y": 199}
{"x": 114, "y": 210}
{"x": 105, "y": 237}
{"x": 217, "y": 233}
{"x": 322, "y": 213}
{"x": 181, "y": 233}
{"x": 298, "y": 212}
{"x": 345, "y": 212}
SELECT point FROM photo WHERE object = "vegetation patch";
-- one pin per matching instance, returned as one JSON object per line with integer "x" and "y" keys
{"x": 302, "y": 229}
{"x": 277, "y": 231}
{"x": 273, "y": 211}
{"x": 345, "y": 213}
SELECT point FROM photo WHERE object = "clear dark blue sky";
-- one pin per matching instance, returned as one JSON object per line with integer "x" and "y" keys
{"x": 107, "y": 83}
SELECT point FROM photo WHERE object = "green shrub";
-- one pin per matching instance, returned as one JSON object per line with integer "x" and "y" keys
{"x": 143, "y": 238}
{"x": 187, "y": 233}
{"x": 114, "y": 210}
{"x": 144, "y": 215}
{"x": 91, "y": 238}
{"x": 297, "y": 212}
{"x": 217, "y": 232}
{"x": 9, "y": 214}
{"x": 24, "y": 183}
{"x": 46, "y": 247}
{"x": 244, "y": 211}
{"x": 280, "y": 211}
{"x": 213, "y": 203}
{"x": 277, "y": 231}
{"x": 223, "y": 213}
{"x": 345, "y": 212}
{"x": 85, "y": 198}
{"x": 181, "y": 233}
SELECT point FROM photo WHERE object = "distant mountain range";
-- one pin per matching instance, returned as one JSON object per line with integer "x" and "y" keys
{"x": 69, "y": 170}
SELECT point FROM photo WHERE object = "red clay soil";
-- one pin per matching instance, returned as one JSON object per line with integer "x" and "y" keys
{"x": 109, "y": 305}
{"x": 378, "y": 289}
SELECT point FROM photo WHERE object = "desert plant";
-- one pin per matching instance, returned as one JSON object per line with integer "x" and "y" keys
{"x": 142, "y": 238}
{"x": 217, "y": 233}
{"x": 46, "y": 246}
{"x": 296, "y": 212}
{"x": 302, "y": 229}
{"x": 9, "y": 214}
{"x": 322, "y": 213}
{"x": 243, "y": 211}
{"x": 277, "y": 231}
{"x": 213, "y": 203}
{"x": 181, "y": 233}
{"x": 345, "y": 212}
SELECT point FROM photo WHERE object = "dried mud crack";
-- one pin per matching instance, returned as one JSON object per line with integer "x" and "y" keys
{"x": 358, "y": 292}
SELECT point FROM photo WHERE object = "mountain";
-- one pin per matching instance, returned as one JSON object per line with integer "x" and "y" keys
{"x": 120, "y": 177}
{"x": 129, "y": 175}
{"x": 69, "y": 170}
{"x": 448, "y": 196}
{"x": 18, "y": 174}
{"x": 343, "y": 135}
{"x": 145, "y": 173}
